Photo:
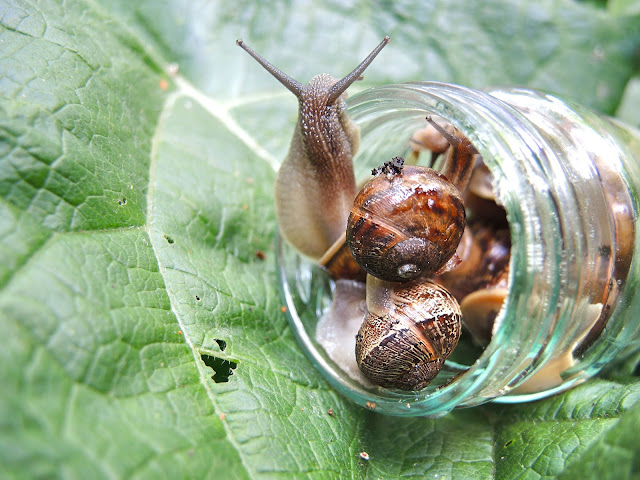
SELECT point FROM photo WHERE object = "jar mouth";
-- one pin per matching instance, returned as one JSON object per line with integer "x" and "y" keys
{"x": 517, "y": 157}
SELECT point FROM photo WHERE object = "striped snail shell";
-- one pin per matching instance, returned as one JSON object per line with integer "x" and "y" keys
{"x": 408, "y": 332}
{"x": 405, "y": 223}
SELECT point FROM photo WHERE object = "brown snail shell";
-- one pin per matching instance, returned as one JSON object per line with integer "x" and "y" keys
{"x": 484, "y": 252}
{"x": 480, "y": 309}
{"x": 480, "y": 198}
{"x": 406, "y": 225}
{"x": 407, "y": 334}
{"x": 481, "y": 280}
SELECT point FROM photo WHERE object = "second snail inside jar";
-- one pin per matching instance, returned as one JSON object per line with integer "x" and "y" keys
{"x": 434, "y": 245}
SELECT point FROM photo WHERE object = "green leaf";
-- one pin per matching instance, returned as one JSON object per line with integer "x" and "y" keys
{"x": 624, "y": 7}
{"x": 629, "y": 109}
{"x": 618, "y": 445}
{"x": 542, "y": 439}
{"x": 136, "y": 209}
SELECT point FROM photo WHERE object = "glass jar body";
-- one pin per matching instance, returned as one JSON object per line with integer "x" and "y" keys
{"x": 568, "y": 180}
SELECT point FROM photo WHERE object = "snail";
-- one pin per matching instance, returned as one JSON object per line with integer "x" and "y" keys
{"x": 480, "y": 197}
{"x": 485, "y": 252}
{"x": 480, "y": 280}
{"x": 403, "y": 226}
{"x": 408, "y": 332}
{"x": 429, "y": 138}
{"x": 481, "y": 285}
{"x": 316, "y": 185}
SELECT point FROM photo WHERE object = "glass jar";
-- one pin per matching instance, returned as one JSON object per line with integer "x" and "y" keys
{"x": 568, "y": 180}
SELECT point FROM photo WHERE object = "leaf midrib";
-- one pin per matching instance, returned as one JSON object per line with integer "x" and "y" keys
{"x": 187, "y": 90}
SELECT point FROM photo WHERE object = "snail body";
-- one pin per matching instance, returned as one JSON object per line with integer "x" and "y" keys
{"x": 316, "y": 184}
{"x": 408, "y": 332}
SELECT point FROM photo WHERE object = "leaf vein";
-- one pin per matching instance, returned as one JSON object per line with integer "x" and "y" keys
{"x": 204, "y": 374}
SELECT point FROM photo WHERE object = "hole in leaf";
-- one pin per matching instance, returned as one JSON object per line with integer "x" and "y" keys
{"x": 168, "y": 239}
{"x": 221, "y": 343}
{"x": 223, "y": 368}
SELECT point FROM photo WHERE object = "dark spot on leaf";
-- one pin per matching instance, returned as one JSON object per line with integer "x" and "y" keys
{"x": 260, "y": 255}
{"x": 197, "y": 298}
{"x": 222, "y": 368}
{"x": 168, "y": 239}
{"x": 221, "y": 343}
{"x": 508, "y": 443}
